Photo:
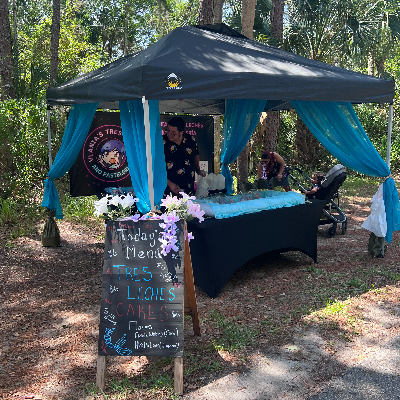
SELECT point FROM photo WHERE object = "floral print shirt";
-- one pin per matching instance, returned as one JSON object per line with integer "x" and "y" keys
{"x": 180, "y": 162}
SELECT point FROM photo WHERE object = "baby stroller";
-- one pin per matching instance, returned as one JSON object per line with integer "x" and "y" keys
{"x": 329, "y": 192}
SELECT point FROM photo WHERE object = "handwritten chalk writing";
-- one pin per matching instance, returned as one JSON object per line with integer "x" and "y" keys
{"x": 135, "y": 322}
{"x": 109, "y": 317}
{"x": 168, "y": 277}
{"x": 108, "y": 301}
{"x": 150, "y": 293}
{"x": 148, "y": 311}
{"x": 143, "y": 237}
{"x": 165, "y": 333}
{"x": 151, "y": 345}
{"x": 118, "y": 344}
{"x": 128, "y": 272}
{"x": 140, "y": 327}
{"x": 113, "y": 289}
{"x": 112, "y": 253}
{"x": 161, "y": 266}
{"x": 122, "y": 233}
{"x": 132, "y": 274}
{"x": 104, "y": 347}
{"x": 109, "y": 272}
{"x": 175, "y": 314}
{"x": 132, "y": 253}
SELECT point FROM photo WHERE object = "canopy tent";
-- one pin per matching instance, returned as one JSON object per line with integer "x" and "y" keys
{"x": 213, "y": 63}
{"x": 200, "y": 70}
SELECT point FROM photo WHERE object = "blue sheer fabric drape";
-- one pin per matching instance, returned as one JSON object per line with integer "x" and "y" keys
{"x": 339, "y": 130}
{"x": 240, "y": 120}
{"x": 132, "y": 124}
{"x": 79, "y": 120}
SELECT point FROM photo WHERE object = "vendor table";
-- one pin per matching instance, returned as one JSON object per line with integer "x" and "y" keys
{"x": 221, "y": 246}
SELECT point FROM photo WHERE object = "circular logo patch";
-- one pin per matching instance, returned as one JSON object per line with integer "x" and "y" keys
{"x": 104, "y": 154}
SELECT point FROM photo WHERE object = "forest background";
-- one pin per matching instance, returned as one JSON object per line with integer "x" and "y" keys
{"x": 44, "y": 43}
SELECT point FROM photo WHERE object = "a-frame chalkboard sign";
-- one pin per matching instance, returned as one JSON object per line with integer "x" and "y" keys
{"x": 144, "y": 296}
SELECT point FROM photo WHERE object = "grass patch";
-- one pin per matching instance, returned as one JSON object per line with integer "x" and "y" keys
{"x": 233, "y": 336}
{"x": 359, "y": 185}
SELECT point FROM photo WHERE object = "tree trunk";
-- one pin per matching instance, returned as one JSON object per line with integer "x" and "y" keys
{"x": 272, "y": 120}
{"x": 271, "y": 131}
{"x": 15, "y": 49}
{"x": 6, "y": 60}
{"x": 308, "y": 147}
{"x": 218, "y": 7}
{"x": 55, "y": 41}
{"x": 371, "y": 65}
{"x": 217, "y": 144}
{"x": 248, "y": 14}
{"x": 380, "y": 66}
{"x": 206, "y": 13}
{"x": 277, "y": 18}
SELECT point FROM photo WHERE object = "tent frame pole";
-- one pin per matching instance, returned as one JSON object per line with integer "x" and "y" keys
{"x": 49, "y": 137}
{"x": 389, "y": 137}
{"x": 146, "y": 115}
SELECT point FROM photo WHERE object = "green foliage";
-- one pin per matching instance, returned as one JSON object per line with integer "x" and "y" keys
{"x": 288, "y": 148}
{"x": 374, "y": 119}
{"x": 23, "y": 155}
{"x": 78, "y": 208}
{"x": 317, "y": 29}
{"x": 76, "y": 54}
{"x": 8, "y": 211}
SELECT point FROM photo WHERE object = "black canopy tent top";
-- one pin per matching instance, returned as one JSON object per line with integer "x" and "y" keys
{"x": 194, "y": 69}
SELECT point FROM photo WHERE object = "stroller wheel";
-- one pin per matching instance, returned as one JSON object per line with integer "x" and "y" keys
{"x": 331, "y": 231}
{"x": 344, "y": 227}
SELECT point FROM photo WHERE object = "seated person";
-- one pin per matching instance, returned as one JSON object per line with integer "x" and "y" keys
{"x": 272, "y": 167}
{"x": 316, "y": 179}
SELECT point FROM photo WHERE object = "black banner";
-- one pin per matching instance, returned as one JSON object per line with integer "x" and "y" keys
{"x": 142, "y": 295}
{"x": 102, "y": 160}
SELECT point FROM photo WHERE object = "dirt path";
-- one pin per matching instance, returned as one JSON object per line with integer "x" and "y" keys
{"x": 50, "y": 311}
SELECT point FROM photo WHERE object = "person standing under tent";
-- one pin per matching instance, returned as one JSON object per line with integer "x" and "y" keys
{"x": 181, "y": 158}
{"x": 272, "y": 168}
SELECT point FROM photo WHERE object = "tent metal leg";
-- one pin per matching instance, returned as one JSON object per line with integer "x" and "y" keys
{"x": 49, "y": 137}
{"x": 389, "y": 137}
{"x": 146, "y": 115}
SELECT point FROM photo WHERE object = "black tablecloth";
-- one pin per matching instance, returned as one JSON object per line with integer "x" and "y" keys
{"x": 221, "y": 246}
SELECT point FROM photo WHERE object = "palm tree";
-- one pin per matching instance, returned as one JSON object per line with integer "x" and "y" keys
{"x": 374, "y": 28}
{"x": 316, "y": 29}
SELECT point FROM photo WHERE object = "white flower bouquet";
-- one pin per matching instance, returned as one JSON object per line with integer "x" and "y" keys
{"x": 115, "y": 207}
{"x": 121, "y": 207}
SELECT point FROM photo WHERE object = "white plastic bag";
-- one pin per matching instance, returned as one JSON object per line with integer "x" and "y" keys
{"x": 219, "y": 181}
{"x": 202, "y": 188}
{"x": 376, "y": 221}
{"x": 211, "y": 181}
